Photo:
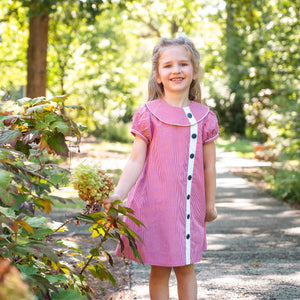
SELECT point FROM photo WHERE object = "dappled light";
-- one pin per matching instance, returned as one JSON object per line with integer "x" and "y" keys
{"x": 73, "y": 74}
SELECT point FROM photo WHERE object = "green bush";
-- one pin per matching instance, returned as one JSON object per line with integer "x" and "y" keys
{"x": 116, "y": 132}
{"x": 286, "y": 187}
{"x": 27, "y": 176}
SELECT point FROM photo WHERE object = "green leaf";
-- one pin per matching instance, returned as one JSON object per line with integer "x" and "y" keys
{"x": 40, "y": 125}
{"x": 58, "y": 99}
{"x": 60, "y": 126}
{"x": 57, "y": 278}
{"x": 95, "y": 252}
{"x": 69, "y": 244}
{"x": 37, "y": 109}
{"x": 43, "y": 249}
{"x": 7, "y": 211}
{"x": 24, "y": 148}
{"x": 42, "y": 283}
{"x": 6, "y": 198}
{"x": 136, "y": 221}
{"x": 5, "y": 179}
{"x": 10, "y": 137}
{"x": 67, "y": 295}
{"x": 27, "y": 270}
{"x": 51, "y": 117}
{"x": 75, "y": 106}
{"x": 37, "y": 100}
{"x": 94, "y": 216}
{"x": 57, "y": 143}
{"x": 100, "y": 271}
{"x": 37, "y": 222}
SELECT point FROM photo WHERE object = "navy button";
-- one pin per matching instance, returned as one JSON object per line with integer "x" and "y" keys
{"x": 189, "y": 115}
{"x": 194, "y": 135}
{"x": 192, "y": 155}
{"x": 188, "y": 216}
{"x": 189, "y": 177}
{"x": 187, "y": 236}
{"x": 188, "y": 197}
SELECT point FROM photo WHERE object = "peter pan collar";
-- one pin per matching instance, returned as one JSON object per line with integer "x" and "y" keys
{"x": 178, "y": 116}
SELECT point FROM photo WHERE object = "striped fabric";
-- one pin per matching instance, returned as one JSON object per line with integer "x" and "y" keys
{"x": 169, "y": 196}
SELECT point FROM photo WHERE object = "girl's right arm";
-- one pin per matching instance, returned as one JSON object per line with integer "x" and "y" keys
{"x": 131, "y": 172}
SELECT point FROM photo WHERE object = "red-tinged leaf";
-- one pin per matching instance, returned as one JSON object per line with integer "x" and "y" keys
{"x": 9, "y": 120}
{"x": 14, "y": 226}
{"x": 44, "y": 145}
{"x": 25, "y": 225}
{"x": 6, "y": 198}
{"x": 4, "y": 220}
{"x": 32, "y": 136}
{"x": 10, "y": 137}
{"x": 58, "y": 145}
{"x": 109, "y": 257}
{"x": 45, "y": 203}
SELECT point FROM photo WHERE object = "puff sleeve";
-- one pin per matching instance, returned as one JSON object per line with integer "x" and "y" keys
{"x": 141, "y": 125}
{"x": 210, "y": 128}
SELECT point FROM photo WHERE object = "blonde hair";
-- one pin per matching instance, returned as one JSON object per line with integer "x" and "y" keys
{"x": 155, "y": 89}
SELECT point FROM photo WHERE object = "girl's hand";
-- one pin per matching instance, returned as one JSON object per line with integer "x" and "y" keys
{"x": 107, "y": 203}
{"x": 211, "y": 214}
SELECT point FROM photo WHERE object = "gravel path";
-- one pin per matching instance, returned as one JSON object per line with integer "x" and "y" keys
{"x": 253, "y": 247}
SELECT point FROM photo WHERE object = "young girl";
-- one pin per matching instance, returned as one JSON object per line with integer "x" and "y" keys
{"x": 171, "y": 172}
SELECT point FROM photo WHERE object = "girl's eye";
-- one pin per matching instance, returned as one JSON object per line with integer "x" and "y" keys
{"x": 167, "y": 66}
{"x": 184, "y": 64}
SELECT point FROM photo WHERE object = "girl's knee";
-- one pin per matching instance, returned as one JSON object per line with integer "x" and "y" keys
{"x": 184, "y": 270}
{"x": 161, "y": 271}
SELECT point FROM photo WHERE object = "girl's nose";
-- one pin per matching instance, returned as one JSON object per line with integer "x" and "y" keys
{"x": 176, "y": 69}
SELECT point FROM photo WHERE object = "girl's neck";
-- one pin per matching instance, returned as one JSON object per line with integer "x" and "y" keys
{"x": 176, "y": 100}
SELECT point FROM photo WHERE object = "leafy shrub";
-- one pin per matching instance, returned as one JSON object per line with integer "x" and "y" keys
{"x": 27, "y": 177}
{"x": 286, "y": 186}
{"x": 116, "y": 132}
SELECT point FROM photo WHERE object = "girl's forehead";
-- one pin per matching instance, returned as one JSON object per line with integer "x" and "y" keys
{"x": 174, "y": 52}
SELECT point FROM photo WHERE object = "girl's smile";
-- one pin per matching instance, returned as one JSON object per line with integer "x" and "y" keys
{"x": 175, "y": 72}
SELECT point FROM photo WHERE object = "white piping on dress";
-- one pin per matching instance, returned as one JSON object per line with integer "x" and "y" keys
{"x": 192, "y": 153}
{"x": 192, "y": 121}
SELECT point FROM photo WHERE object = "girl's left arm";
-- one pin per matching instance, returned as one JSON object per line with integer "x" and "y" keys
{"x": 209, "y": 162}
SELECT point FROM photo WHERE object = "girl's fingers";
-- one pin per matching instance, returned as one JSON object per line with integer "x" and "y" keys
{"x": 107, "y": 203}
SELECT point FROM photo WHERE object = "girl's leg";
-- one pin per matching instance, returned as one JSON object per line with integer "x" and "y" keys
{"x": 159, "y": 283}
{"x": 186, "y": 282}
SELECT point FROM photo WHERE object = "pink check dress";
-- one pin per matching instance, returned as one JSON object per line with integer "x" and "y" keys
{"x": 169, "y": 195}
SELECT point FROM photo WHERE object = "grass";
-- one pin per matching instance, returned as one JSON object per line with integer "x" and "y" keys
{"x": 241, "y": 146}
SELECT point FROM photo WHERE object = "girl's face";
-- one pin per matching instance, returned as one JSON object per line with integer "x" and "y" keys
{"x": 175, "y": 70}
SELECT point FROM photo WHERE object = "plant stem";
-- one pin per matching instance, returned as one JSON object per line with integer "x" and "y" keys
{"x": 90, "y": 259}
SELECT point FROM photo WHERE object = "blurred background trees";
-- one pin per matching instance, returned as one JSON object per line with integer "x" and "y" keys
{"x": 99, "y": 53}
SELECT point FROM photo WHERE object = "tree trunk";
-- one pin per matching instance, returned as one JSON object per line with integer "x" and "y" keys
{"x": 37, "y": 56}
{"x": 233, "y": 60}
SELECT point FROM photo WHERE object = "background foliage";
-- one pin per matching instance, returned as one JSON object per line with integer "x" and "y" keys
{"x": 99, "y": 54}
